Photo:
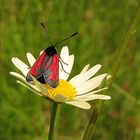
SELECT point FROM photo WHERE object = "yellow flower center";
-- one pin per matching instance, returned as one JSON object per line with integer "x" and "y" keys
{"x": 64, "y": 88}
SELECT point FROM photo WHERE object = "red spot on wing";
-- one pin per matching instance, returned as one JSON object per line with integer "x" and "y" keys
{"x": 37, "y": 65}
{"x": 54, "y": 68}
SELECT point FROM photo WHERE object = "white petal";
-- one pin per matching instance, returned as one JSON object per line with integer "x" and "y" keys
{"x": 59, "y": 98}
{"x": 20, "y": 65}
{"x": 108, "y": 77}
{"x": 67, "y": 68}
{"x": 96, "y": 96}
{"x": 91, "y": 84}
{"x": 81, "y": 78}
{"x": 27, "y": 86}
{"x": 41, "y": 52}
{"x": 80, "y": 104}
{"x": 31, "y": 58}
{"x": 36, "y": 83}
{"x": 85, "y": 69}
{"x": 20, "y": 77}
{"x": 79, "y": 96}
{"x": 64, "y": 54}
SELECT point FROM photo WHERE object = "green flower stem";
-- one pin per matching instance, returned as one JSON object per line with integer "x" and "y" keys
{"x": 125, "y": 43}
{"x": 52, "y": 123}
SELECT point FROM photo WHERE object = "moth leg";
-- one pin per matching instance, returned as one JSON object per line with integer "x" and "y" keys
{"x": 60, "y": 59}
{"x": 63, "y": 68}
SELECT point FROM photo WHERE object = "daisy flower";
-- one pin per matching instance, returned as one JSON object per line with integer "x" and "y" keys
{"x": 76, "y": 91}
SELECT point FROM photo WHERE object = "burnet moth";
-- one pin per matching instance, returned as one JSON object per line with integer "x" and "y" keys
{"x": 46, "y": 67}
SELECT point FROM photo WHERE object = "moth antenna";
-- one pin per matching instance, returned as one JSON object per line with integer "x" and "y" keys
{"x": 66, "y": 38}
{"x": 46, "y": 32}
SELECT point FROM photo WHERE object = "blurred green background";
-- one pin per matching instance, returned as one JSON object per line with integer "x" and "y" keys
{"x": 101, "y": 25}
